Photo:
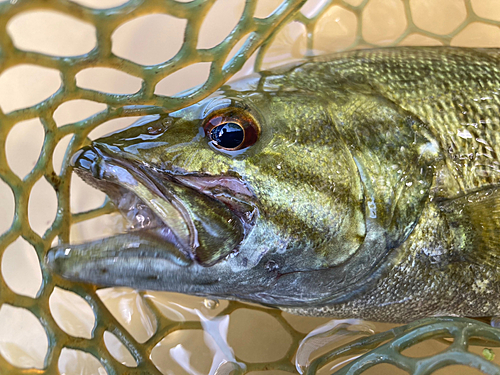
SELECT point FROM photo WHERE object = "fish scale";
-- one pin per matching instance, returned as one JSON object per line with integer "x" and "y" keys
{"x": 402, "y": 87}
{"x": 455, "y": 72}
{"x": 417, "y": 287}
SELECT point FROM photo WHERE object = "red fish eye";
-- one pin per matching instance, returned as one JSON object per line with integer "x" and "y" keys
{"x": 231, "y": 129}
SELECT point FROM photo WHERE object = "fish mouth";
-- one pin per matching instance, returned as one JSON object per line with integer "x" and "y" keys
{"x": 186, "y": 217}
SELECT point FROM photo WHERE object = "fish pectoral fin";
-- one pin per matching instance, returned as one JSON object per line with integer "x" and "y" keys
{"x": 474, "y": 222}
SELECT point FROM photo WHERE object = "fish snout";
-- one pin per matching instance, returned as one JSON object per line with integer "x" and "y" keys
{"x": 87, "y": 159}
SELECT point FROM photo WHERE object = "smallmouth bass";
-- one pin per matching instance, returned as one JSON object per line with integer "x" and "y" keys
{"x": 363, "y": 184}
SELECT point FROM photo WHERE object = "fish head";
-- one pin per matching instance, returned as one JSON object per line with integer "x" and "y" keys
{"x": 239, "y": 196}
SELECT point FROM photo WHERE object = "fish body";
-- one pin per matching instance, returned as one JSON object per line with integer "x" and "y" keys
{"x": 364, "y": 184}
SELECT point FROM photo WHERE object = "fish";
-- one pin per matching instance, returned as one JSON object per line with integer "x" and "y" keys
{"x": 363, "y": 184}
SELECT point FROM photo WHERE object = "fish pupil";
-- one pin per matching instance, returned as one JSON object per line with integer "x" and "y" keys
{"x": 228, "y": 135}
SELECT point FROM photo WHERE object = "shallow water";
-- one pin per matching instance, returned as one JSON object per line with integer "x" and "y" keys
{"x": 197, "y": 336}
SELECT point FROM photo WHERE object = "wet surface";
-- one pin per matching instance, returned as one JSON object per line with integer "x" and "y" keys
{"x": 189, "y": 334}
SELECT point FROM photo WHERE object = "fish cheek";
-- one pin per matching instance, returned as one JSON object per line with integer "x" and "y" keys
{"x": 350, "y": 237}
{"x": 312, "y": 197}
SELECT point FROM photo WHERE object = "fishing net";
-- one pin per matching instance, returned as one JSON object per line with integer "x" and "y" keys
{"x": 49, "y": 325}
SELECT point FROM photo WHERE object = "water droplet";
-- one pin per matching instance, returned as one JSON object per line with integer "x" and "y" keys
{"x": 328, "y": 337}
{"x": 211, "y": 304}
{"x": 271, "y": 265}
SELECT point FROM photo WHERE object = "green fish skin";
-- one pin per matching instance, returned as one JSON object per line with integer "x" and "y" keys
{"x": 364, "y": 184}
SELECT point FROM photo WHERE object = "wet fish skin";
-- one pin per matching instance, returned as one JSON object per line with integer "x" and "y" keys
{"x": 374, "y": 184}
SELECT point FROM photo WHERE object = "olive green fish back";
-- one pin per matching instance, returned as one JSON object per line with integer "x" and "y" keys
{"x": 456, "y": 91}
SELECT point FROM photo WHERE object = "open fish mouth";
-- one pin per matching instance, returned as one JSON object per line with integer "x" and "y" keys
{"x": 185, "y": 218}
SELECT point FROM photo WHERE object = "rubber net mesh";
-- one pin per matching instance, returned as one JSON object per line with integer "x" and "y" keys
{"x": 49, "y": 325}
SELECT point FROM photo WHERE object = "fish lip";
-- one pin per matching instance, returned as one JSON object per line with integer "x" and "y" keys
{"x": 153, "y": 179}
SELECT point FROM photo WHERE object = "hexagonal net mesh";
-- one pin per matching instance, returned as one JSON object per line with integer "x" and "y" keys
{"x": 56, "y": 56}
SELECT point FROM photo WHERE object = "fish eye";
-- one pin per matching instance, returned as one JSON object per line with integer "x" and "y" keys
{"x": 231, "y": 129}
{"x": 228, "y": 136}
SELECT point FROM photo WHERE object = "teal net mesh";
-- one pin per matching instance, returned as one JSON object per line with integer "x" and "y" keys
{"x": 96, "y": 339}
